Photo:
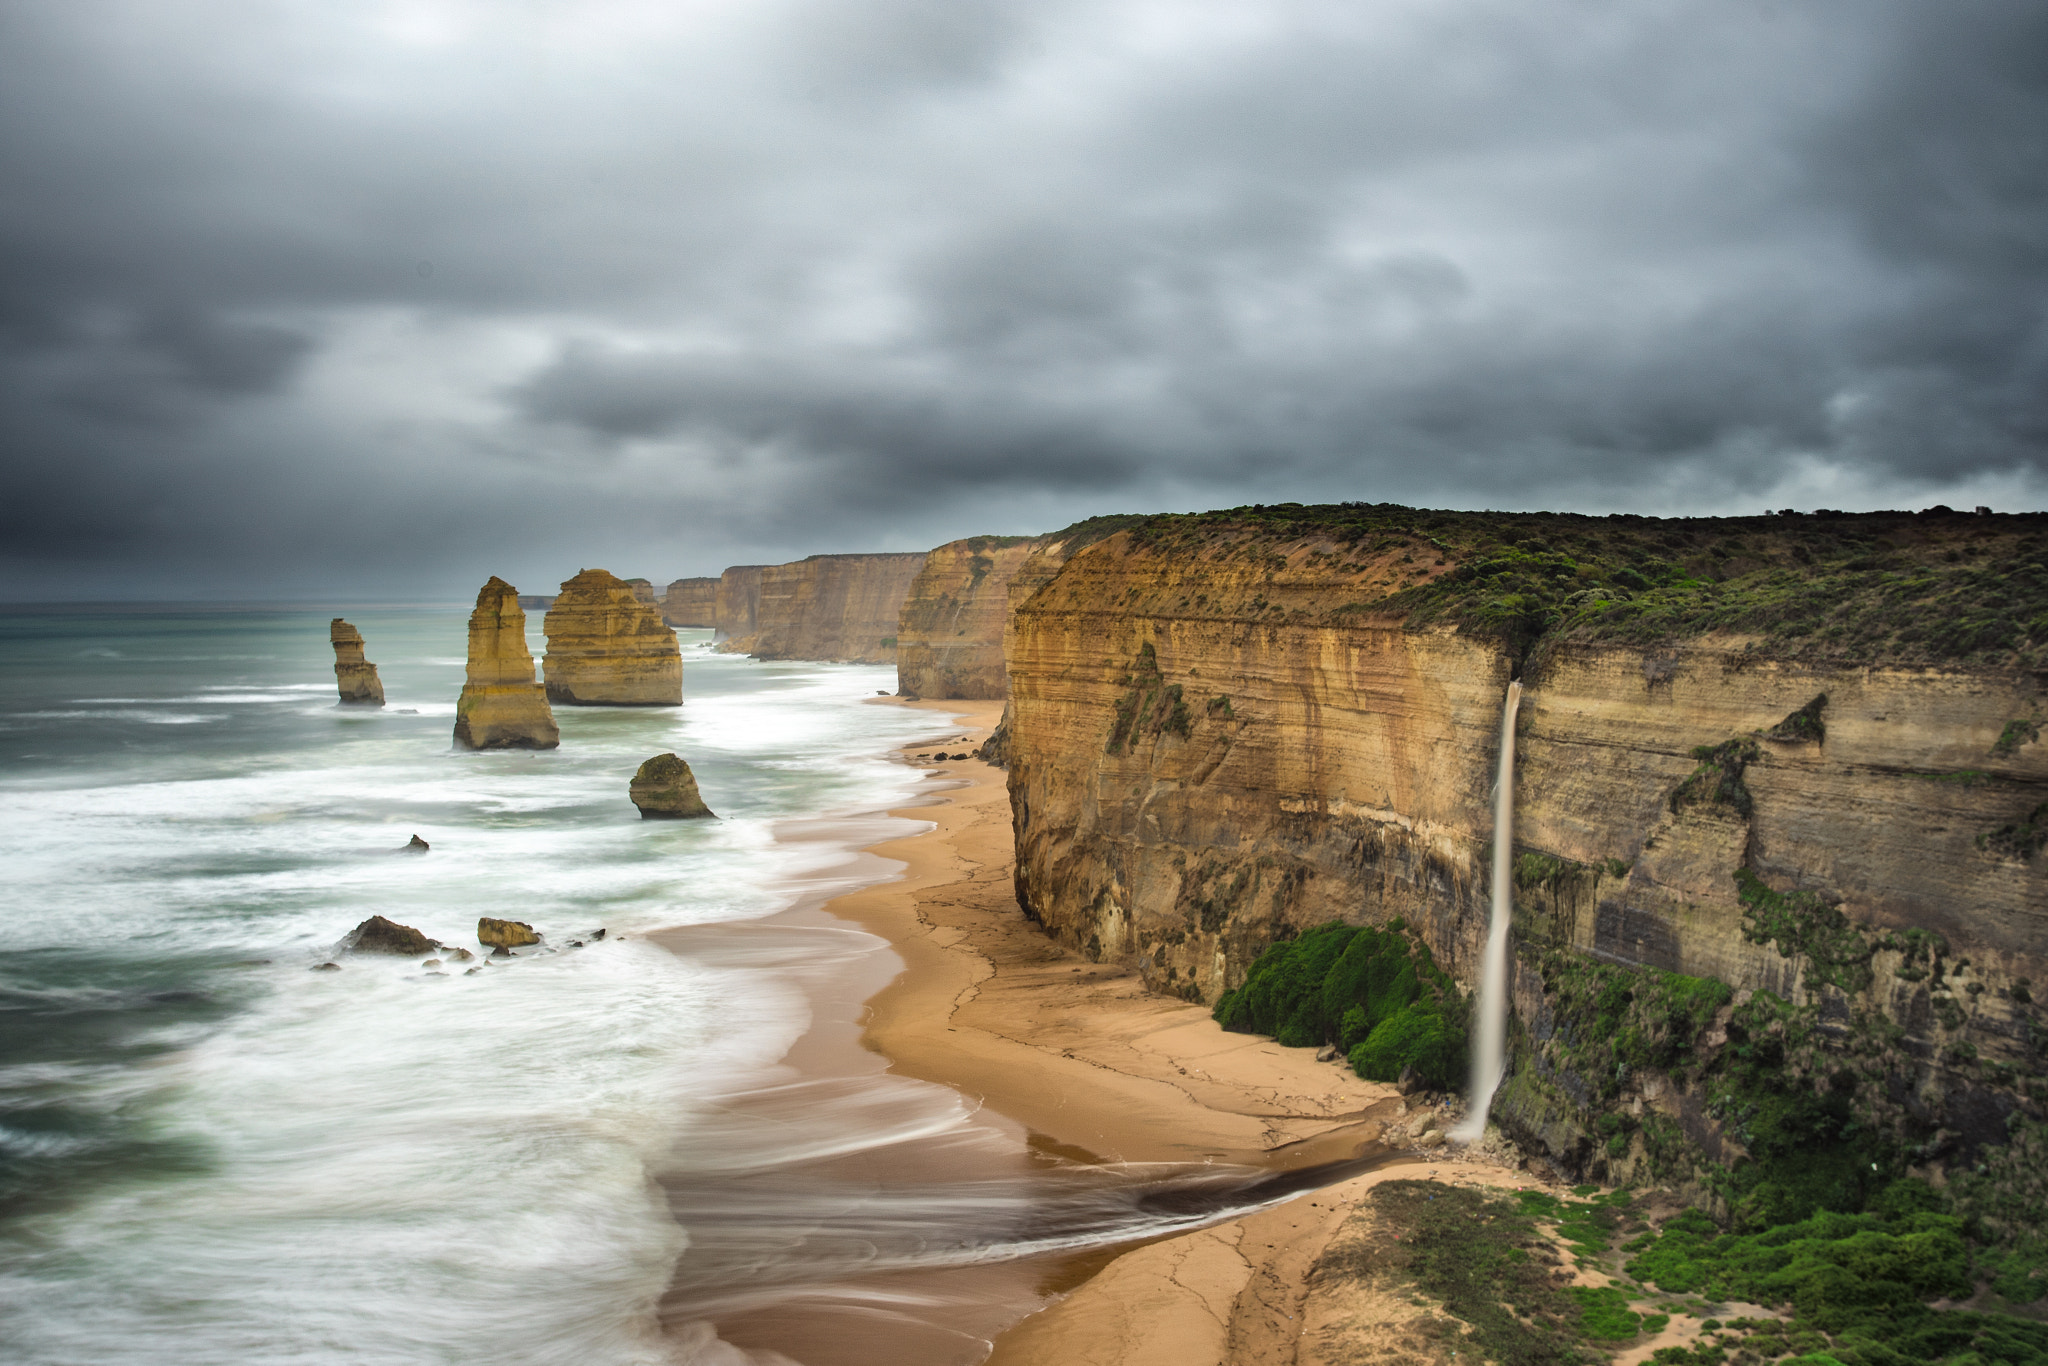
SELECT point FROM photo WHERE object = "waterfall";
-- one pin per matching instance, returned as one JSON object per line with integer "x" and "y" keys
{"x": 1489, "y": 1039}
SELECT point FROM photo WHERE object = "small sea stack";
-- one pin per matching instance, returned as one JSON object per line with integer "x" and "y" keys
{"x": 501, "y": 706}
{"x": 608, "y": 647}
{"x": 354, "y": 677}
{"x": 665, "y": 790}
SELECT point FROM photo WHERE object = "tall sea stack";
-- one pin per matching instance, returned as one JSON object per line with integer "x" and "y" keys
{"x": 608, "y": 647}
{"x": 354, "y": 677}
{"x": 502, "y": 707}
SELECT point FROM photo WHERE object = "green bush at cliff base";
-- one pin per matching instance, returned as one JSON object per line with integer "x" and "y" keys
{"x": 1370, "y": 991}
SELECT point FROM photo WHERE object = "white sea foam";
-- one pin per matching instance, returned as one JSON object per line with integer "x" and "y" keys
{"x": 382, "y": 1164}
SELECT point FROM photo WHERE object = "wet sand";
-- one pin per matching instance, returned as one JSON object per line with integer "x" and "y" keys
{"x": 1071, "y": 1072}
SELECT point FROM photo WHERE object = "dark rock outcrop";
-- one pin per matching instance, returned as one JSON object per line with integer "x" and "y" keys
{"x": 665, "y": 789}
{"x": 354, "y": 677}
{"x": 378, "y": 935}
{"x": 415, "y": 845}
{"x": 501, "y": 706}
{"x": 505, "y": 934}
{"x": 608, "y": 647}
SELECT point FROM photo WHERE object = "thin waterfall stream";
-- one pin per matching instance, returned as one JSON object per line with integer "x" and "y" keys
{"x": 1489, "y": 1040}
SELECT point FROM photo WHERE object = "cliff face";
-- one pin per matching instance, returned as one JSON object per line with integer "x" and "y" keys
{"x": 691, "y": 602}
{"x": 608, "y": 647}
{"x": 736, "y": 607}
{"x": 840, "y": 607}
{"x": 501, "y": 706}
{"x": 1221, "y": 734}
{"x": 949, "y": 635}
{"x": 354, "y": 677}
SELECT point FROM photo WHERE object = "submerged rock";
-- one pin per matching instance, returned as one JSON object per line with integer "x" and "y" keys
{"x": 326, "y": 967}
{"x": 378, "y": 935}
{"x": 505, "y": 934}
{"x": 665, "y": 789}
{"x": 609, "y": 647}
{"x": 502, "y": 706}
{"x": 354, "y": 677}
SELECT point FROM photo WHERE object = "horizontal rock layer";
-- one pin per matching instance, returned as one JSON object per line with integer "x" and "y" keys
{"x": 691, "y": 602}
{"x": 502, "y": 706}
{"x": 608, "y": 647}
{"x": 949, "y": 634}
{"x": 355, "y": 678}
{"x": 736, "y": 611}
{"x": 838, "y": 607}
{"x": 1218, "y": 741}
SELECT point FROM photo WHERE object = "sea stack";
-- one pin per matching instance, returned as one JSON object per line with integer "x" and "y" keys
{"x": 502, "y": 707}
{"x": 354, "y": 677}
{"x": 607, "y": 647}
{"x": 665, "y": 790}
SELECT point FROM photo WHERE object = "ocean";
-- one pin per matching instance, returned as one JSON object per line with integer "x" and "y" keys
{"x": 211, "y": 1152}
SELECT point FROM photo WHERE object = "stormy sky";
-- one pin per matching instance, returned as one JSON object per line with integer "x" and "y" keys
{"x": 300, "y": 299}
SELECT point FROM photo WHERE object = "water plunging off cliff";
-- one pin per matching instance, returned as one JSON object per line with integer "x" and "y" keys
{"x": 1490, "y": 1038}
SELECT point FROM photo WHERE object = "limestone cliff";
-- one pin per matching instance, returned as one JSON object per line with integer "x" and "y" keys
{"x": 354, "y": 677}
{"x": 691, "y": 602}
{"x": 949, "y": 635}
{"x": 608, "y": 647}
{"x": 1796, "y": 755}
{"x": 736, "y": 607}
{"x": 838, "y": 607}
{"x": 501, "y": 706}
{"x": 643, "y": 591}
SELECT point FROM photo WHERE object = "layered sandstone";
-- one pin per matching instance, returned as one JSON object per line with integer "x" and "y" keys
{"x": 691, "y": 602}
{"x": 502, "y": 706}
{"x": 949, "y": 635}
{"x": 1219, "y": 739}
{"x": 834, "y": 607}
{"x": 736, "y": 607}
{"x": 643, "y": 590}
{"x": 354, "y": 677}
{"x": 608, "y": 647}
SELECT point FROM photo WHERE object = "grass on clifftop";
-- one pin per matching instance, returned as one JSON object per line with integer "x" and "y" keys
{"x": 1935, "y": 586}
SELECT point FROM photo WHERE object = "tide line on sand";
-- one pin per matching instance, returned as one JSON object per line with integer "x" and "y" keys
{"x": 1064, "y": 1066}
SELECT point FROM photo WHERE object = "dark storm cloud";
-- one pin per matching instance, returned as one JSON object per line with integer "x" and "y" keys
{"x": 383, "y": 292}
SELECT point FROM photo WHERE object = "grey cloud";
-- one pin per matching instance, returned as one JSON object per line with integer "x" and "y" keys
{"x": 715, "y": 281}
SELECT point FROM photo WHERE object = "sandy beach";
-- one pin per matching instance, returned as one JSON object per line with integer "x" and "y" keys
{"x": 1100, "y": 1070}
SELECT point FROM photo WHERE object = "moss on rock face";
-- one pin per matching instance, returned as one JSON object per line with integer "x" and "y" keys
{"x": 1374, "y": 993}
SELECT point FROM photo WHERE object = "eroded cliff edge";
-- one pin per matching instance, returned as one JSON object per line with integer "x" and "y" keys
{"x": 835, "y": 607}
{"x": 949, "y": 632}
{"x": 1230, "y": 727}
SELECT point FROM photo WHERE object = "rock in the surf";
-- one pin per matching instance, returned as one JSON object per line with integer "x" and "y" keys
{"x": 415, "y": 845}
{"x": 609, "y": 647}
{"x": 502, "y": 706}
{"x": 665, "y": 790}
{"x": 378, "y": 935}
{"x": 354, "y": 677}
{"x": 505, "y": 934}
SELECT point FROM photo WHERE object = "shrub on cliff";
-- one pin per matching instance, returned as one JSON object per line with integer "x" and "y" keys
{"x": 1372, "y": 992}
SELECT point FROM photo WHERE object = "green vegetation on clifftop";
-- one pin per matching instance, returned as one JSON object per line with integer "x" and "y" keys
{"x": 1896, "y": 586}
